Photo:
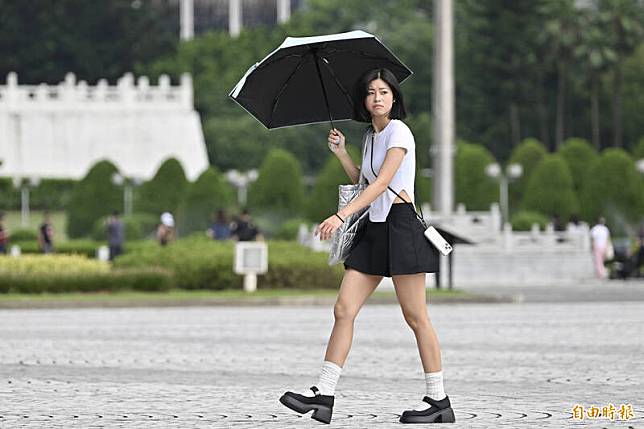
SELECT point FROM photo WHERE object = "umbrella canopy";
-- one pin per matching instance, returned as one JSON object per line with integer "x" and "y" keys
{"x": 311, "y": 79}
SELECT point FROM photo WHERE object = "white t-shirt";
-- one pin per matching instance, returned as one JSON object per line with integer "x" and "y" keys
{"x": 395, "y": 134}
{"x": 600, "y": 234}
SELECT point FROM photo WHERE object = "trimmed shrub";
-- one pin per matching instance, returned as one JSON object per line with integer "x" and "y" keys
{"x": 523, "y": 220}
{"x": 209, "y": 193}
{"x": 52, "y": 194}
{"x": 528, "y": 154}
{"x": 638, "y": 150}
{"x": 550, "y": 189}
{"x": 580, "y": 156}
{"x": 94, "y": 197}
{"x": 279, "y": 188}
{"x": 200, "y": 263}
{"x": 24, "y": 235}
{"x": 137, "y": 227}
{"x": 165, "y": 191}
{"x": 473, "y": 187}
{"x": 51, "y": 264}
{"x": 9, "y": 196}
{"x": 614, "y": 189}
{"x": 144, "y": 279}
{"x": 289, "y": 229}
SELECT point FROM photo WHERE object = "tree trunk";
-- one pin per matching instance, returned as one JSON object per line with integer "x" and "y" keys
{"x": 594, "y": 110}
{"x": 561, "y": 103}
{"x": 542, "y": 111}
{"x": 617, "y": 102}
{"x": 515, "y": 124}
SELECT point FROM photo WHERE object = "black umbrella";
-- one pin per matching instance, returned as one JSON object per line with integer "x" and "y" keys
{"x": 311, "y": 79}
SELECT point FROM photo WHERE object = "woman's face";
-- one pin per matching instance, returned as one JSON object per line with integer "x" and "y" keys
{"x": 379, "y": 99}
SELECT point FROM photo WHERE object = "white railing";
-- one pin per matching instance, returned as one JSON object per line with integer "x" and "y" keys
{"x": 72, "y": 94}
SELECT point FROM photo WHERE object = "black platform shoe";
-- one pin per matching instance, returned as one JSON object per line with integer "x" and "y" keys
{"x": 321, "y": 404}
{"x": 439, "y": 412}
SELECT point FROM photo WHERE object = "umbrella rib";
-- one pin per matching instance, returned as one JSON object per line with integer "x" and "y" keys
{"x": 270, "y": 63}
{"x": 337, "y": 81}
{"x": 286, "y": 82}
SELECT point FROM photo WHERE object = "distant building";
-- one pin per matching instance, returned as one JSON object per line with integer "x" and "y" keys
{"x": 200, "y": 16}
{"x": 60, "y": 131}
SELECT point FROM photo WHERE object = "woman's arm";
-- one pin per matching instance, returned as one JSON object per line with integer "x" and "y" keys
{"x": 349, "y": 167}
{"x": 390, "y": 166}
{"x": 337, "y": 146}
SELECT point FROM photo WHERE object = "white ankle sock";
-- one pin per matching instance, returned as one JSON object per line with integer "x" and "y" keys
{"x": 329, "y": 376}
{"x": 435, "y": 390}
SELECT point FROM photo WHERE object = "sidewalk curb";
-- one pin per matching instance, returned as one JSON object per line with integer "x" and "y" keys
{"x": 237, "y": 302}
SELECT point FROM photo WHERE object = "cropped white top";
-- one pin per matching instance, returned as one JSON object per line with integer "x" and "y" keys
{"x": 395, "y": 134}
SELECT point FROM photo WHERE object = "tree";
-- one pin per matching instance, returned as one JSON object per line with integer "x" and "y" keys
{"x": 207, "y": 194}
{"x": 550, "y": 189}
{"x": 561, "y": 32}
{"x": 638, "y": 151}
{"x": 165, "y": 191}
{"x": 527, "y": 154}
{"x": 614, "y": 189}
{"x": 43, "y": 40}
{"x": 93, "y": 197}
{"x": 473, "y": 187}
{"x": 579, "y": 156}
{"x": 625, "y": 32}
{"x": 279, "y": 187}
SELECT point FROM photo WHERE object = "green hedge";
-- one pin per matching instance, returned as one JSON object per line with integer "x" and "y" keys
{"x": 82, "y": 247}
{"x": 523, "y": 220}
{"x": 140, "y": 279}
{"x": 200, "y": 263}
{"x": 138, "y": 226}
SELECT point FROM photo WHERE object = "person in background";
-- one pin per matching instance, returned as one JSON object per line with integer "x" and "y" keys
{"x": 639, "y": 255}
{"x": 165, "y": 230}
{"x": 4, "y": 236}
{"x": 220, "y": 228}
{"x": 115, "y": 234}
{"x": 244, "y": 230}
{"x": 46, "y": 234}
{"x": 600, "y": 238}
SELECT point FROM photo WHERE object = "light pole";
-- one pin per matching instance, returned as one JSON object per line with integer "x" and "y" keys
{"x": 241, "y": 181}
{"x": 512, "y": 172}
{"x": 128, "y": 184}
{"x": 24, "y": 185}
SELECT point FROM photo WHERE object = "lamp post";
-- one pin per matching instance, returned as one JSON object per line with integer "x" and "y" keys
{"x": 241, "y": 181}
{"x": 24, "y": 186}
{"x": 128, "y": 184}
{"x": 512, "y": 172}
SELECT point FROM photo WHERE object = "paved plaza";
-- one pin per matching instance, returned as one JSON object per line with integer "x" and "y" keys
{"x": 505, "y": 365}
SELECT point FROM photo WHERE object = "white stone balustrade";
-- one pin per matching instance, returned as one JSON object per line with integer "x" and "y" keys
{"x": 60, "y": 131}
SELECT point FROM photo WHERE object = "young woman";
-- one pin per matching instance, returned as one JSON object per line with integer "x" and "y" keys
{"x": 392, "y": 245}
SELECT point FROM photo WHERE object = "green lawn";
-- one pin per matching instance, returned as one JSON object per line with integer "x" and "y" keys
{"x": 13, "y": 221}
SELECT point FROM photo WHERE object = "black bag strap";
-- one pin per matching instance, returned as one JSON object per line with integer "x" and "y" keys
{"x": 420, "y": 217}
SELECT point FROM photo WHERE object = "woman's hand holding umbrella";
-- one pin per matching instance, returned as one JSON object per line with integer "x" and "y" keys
{"x": 337, "y": 142}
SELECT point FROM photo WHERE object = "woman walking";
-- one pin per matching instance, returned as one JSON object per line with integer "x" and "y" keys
{"x": 392, "y": 245}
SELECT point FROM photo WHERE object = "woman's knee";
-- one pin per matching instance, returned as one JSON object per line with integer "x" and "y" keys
{"x": 344, "y": 312}
{"x": 417, "y": 320}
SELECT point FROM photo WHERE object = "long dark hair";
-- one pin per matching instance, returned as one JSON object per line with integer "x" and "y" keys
{"x": 360, "y": 112}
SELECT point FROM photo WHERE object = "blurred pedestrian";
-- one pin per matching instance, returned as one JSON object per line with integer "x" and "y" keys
{"x": 4, "y": 236}
{"x": 244, "y": 229}
{"x": 220, "y": 227}
{"x": 115, "y": 234}
{"x": 46, "y": 234}
{"x": 166, "y": 229}
{"x": 639, "y": 255}
{"x": 600, "y": 242}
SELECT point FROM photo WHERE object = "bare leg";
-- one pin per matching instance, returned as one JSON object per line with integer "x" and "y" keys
{"x": 410, "y": 290}
{"x": 354, "y": 291}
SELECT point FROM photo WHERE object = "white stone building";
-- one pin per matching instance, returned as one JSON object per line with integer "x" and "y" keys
{"x": 60, "y": 131}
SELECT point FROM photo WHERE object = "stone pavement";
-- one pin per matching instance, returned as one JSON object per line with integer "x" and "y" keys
{"x": 506, "y": 365}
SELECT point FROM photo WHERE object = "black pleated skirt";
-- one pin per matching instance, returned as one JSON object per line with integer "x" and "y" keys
{"x": 394, "y": 247}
